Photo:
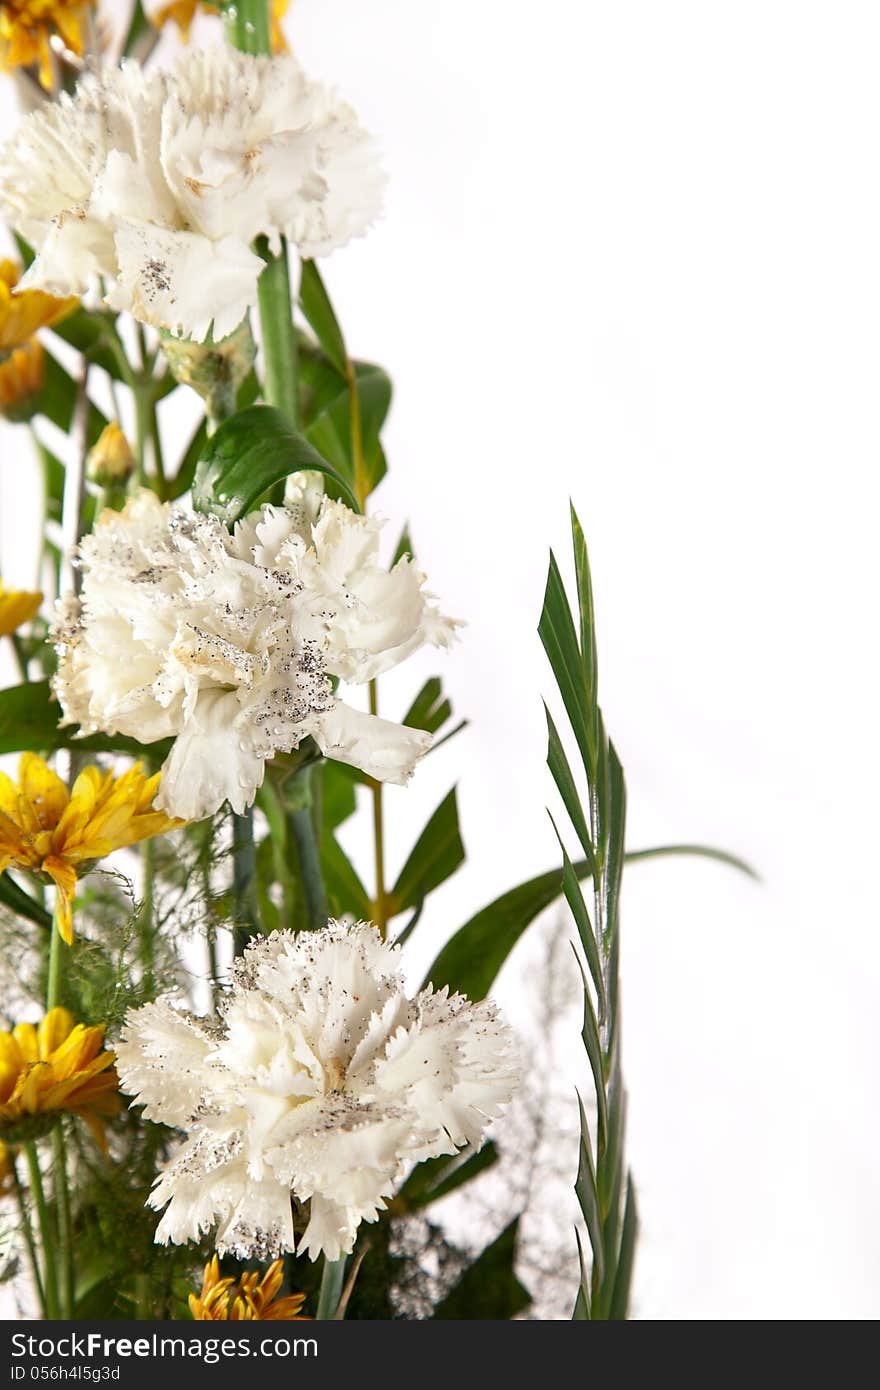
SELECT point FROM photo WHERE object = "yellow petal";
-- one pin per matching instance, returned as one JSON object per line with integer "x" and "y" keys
{"x": 17, "y": 606}
{"x": 43, "y": 789}
{"x": 25, "y": 1035}
{"x": 52, "y": 1031}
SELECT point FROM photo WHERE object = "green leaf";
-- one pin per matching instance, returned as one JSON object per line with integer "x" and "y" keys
{"x": 616, "y": 836}
{"x": 430, "y": 709}
{"x": 721, "y": 856}
{"x": 331, "y": 431}
{"x": 587, "y": 1195}
{"x": 593, "y": 1049}
{"x": 315, "y": 304}
{"x": 29, "y": 722}
{"x": 142, "y": 36}
{"x": 619, "y": 1306}
{"x": 250, "y": 452}
{"x": 575, "y": 899}
{"x": 338, "y": 796}
{"x": 436, "y": 855}
{"x": 589, "y": 659}
{"x": 21, "y": 903}
{"x": 58, "y": 400}
{"x": 437, "y": 1177}
{"x": 186, "y": 472}
{"x": 560, "y": 642}
{"x": 345, "y": 892}
{"x": 565, "y": 784}
{"x": 471, "y": 959}
{"x": 581, "y": 1311}
{"x": 489, "y": 1289}
{"x": 87, "y": 332}
{"x": 404, "y": 546}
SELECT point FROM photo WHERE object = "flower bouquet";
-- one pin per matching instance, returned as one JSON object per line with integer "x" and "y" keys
{"x": 222, "y": 1094}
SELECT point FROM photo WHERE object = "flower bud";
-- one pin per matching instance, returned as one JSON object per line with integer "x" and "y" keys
{"x": 214, "y": 370}
{"x": 110, "y": 462}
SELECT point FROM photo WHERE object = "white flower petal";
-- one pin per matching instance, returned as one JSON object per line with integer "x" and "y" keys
{"x": 384, "y": 750}
{"x": 211, "y": 762}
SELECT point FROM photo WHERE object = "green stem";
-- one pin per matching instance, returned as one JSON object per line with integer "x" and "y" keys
{"x": 279, "y": 336}
{"x": 47, "y": 1235}
{"x": 57, "y": 947}
{"x": 331, "y": 1288}
{"x": 146, "y": 942}
{"x": 28, "y": 1232}
{"x": 65, "y": 1222}
{"x": 301, "y": 821}
{"x": 18, "y": 651}
{"x": 244, "y": 880}
{"x": 380, "y": 905}
{"x": 251, "y": 31}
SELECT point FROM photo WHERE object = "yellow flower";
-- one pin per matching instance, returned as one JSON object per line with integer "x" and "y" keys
{"x": 58, "y": 835}
{"x": 252, "y": 1299}
{"x": 183, "y": 13}
{"x": 17, "y": 606}
{"x": 27, "y": 28}
{"x": 57, "y": 1067}
{"x": 21, "y": 314}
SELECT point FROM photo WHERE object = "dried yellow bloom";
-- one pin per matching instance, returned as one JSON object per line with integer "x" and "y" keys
{"x": 28, "y": 26}
{"x": 251, "y": 1299}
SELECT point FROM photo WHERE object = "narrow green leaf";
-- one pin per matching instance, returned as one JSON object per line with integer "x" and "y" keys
{"x": 581, "y": 1312}
{"x": 575, "y": 899}
{"x": 58, "y": 400}
{"x": 331, "y": 433}
{"x": 87, "y": 332}
{"x": 593, "y": 1049}
{"x": 315, "y": 303}
{"x": 186, "y": 471}
{"x": 21, "y": 903}
{"x": 250, "y": 452}
{"x": 557, "y": 632}
{"x": 616, "y": 839}
{"x": 619, "y": 1307}
{"x": 721, "y": 856}
{"x": 589, "y": 658}
{"x": 585, "y": 1188}
{"x": 29, "y": 722}
{"x": 489, "y": 1289}
{"x": 437, "y": 1177}
{"x": 404, "y": 546}
{"x": 339, "y": 799}
{"x": 142, "y": 36}
{"x": 471, "y": 959}
{"x": 436, "y": 855}
{"x": 565, "y": 784}
{"x": 430, "y": 709}
{"x": 345, "y": 892}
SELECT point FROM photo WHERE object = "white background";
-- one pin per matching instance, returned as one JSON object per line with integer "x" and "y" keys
{"x": 630, "y": 255}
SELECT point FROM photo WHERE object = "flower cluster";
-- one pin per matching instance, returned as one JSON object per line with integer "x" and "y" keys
{"x": 159, "y": 182}
{"x": 59, "y": 834}
{"x": 322, "y": 1080}
{"x": 227, "y": 643}
{"x": 55, "y": 1068}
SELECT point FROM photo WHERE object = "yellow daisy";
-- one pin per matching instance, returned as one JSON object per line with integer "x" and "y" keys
{"x": 17, "y": 606}
{"x": 58, "y": 835}
{"x": 28, "y": 26}
{"x": 57, "y": 1067}
{"x": 183, "y": 12}
{"x": 250, "y": 1299}
{"x": 21, "y": 314}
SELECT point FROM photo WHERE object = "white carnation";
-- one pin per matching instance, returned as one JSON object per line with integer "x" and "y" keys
{"x": 322, "y": 1082}
{"x": 227, "y": 643}
{"x": 158, "y": 183}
